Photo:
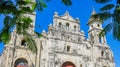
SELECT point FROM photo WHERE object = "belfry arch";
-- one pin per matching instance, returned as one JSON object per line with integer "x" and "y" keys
{"x": 68, "y": 64}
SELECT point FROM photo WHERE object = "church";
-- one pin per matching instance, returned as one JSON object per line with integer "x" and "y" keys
{"x": 64, "y": 45}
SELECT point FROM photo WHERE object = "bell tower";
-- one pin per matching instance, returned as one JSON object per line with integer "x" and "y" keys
{"x": 100, "y": 50}
{"x": 95, "y": 27}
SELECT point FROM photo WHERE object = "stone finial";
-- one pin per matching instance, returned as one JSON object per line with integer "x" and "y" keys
{"x": 43, "y": 31}
{"x": 50, "y": 24}
{"x": 66, "y": 13}
{"x": 56, "y": 13}
{"x": 93, "y": 11}
{"x": 77, "y": 18}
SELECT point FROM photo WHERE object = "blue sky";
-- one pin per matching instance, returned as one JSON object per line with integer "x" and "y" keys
{"x": 81, "y": 9}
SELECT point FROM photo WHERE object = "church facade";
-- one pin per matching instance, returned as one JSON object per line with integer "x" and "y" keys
{"x": 64, "y": 45}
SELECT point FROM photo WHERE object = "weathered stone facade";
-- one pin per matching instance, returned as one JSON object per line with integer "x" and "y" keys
{"x": 64, "y": 45}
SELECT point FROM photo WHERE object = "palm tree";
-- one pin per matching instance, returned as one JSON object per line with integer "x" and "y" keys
{"x": 14, "y": 13}
{"x": 110, "y": 12}
{"x": 14, "y": 17}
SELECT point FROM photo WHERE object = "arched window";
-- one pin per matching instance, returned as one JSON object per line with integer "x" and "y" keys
{"x": 23, "y": 43}
{"x": 102, "y": 53}
{"x": 92, "y": 26}
{"x": 21, "y": 63}
{"x": 98, "y": 25}
{"x": 74, "y": 28}
{"x": 68, "y": 48}
{"x": 67, "y": 26}
{"x": 60, "y": 25}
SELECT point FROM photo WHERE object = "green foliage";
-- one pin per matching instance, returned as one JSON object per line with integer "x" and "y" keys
{"x": 106, "y": 29}
{"x": 7, "y": 7}
{"x": 67, "y": 2}
{"x": 30, "y": 42}
{"x": 6, "y": 21}
{"x": 5, "y": 36}
{"x": 107, "y": 7}
{"x": 103, "y": 16}
{"x": 102, "y": 1}
{"x": 40, "y": 4}
{"x": 39, "y": 34}
{"x": 15, "y": 16}
{"x": 21, "y": 2}
{"x": 111, "y": 12}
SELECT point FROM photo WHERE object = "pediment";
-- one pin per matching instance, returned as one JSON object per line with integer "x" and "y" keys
{"x": 68, "y": 17}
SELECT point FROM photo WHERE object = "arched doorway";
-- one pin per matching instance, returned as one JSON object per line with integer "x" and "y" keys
{"x": 68, "y": 64}
{"x": 21, "y": 63}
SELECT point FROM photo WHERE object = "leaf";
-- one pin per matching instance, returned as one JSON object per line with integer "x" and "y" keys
{"x": 7, "y": 7}
{"x": 28, "y": 1}
{"x": 31, "y": 44}
{"x": 39, "y": 34}
{"x": 116, "y": 30}
{"x": 19, "y": 28}
{"x": 21, "y": 2}
{"x": 118, "y": 2}
{"x": 102, "y": 1}
{"x": 118, "y": 9}
{"x": 67, "y": 2}
{"x": 5, "y": 36}
{"x": 25, "y": 10}
{"x": 107, "y": 7}
{"x": 40, "y": 4}
{"x": 107, "y": 28}
{"x": 103, "y": 16}
{"x": 26, "y": 22}
{"x": 6, "y": 21}
{"x": 33, "y": 7}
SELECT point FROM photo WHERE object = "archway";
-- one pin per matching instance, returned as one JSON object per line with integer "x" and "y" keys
{"x": 68, "y": 64}
{"x": 21, "y": 63}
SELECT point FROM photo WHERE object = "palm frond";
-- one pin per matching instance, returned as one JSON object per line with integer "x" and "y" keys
{"x": 6, "y": 21}
{"x": 107, "y": 7}
{"x": 116, "y": 15}
{"x": 67, "y": 2}
{"x": 40, "y": 4}
{"x": 21, "y": 2}
{"x": 27, "y": 22}
{"x": 103, "y": 16}
{"x": 39, "y": 34}
{"x": 7, "y": 7}
{"x": 25, "y": 10}
{"x": 102, "y": 1}
{"x": 23, "y": 24}
{"x": 107, "y": 28}
{"x": 31, "y": 44}
{"x": 33, "y": 7}
{"x": 118, "y": 2}
{"x": 118, "y": 10}
{"x": 116, "y": 31}
{"x": 5, "y": 36}
{"x": 20, "y": 29}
